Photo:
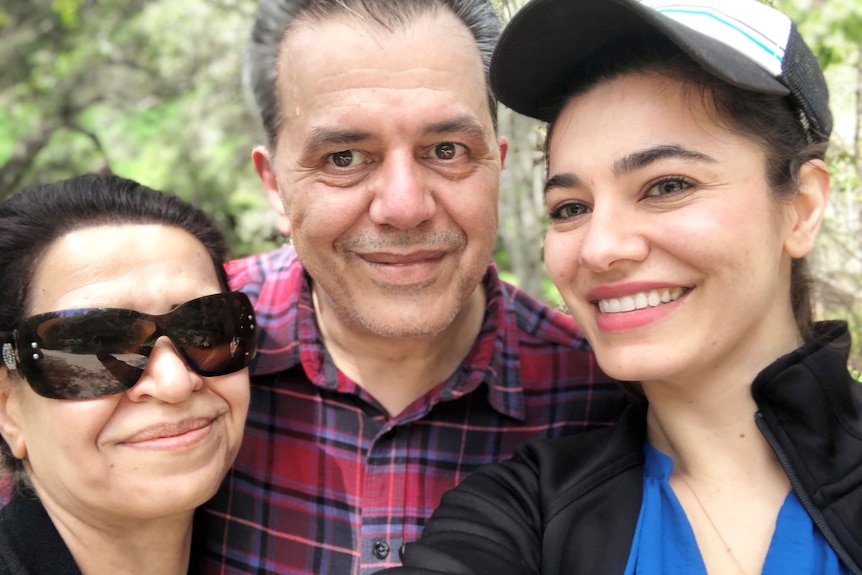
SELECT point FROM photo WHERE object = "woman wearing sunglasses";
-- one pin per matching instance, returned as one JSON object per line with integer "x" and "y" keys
{"x": 686, "y": 184}
{"x": 123, "y": 380}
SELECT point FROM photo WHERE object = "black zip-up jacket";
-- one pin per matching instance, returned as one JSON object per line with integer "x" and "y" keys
{"x": 570, "y": 506}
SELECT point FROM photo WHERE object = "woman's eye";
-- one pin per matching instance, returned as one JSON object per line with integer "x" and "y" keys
{"x": 347, "y": 158}
{"x": 568, "y": 210}
{"x": 667, "y": 186}
{"x": 448, "y": 150}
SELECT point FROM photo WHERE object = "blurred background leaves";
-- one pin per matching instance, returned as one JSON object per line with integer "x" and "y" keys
{"x": 152, "y": 90}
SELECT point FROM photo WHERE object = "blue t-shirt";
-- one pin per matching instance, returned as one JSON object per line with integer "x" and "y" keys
{"x": 664, "y": 542}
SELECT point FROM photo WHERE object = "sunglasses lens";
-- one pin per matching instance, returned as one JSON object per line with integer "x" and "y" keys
{"x": 215, "y": 334}
{"x": 82, "y": 354}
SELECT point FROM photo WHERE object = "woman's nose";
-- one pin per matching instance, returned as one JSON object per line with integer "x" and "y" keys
{"x": 166, "y": 376}
{"x": 613, "y": 234}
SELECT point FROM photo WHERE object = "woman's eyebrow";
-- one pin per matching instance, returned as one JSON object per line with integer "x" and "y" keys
{"x": 564, "y": 180}
{"x": 641, "y": 158}
{"x": 632, "y": 162}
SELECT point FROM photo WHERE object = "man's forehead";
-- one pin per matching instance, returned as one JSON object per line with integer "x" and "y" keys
{"x": 343, "y": 68}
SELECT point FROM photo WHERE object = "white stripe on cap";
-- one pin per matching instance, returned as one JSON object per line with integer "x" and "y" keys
{"x": 747, "y": 26}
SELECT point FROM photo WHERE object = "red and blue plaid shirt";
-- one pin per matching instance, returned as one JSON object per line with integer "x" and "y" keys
{"x": 327, "y": 482}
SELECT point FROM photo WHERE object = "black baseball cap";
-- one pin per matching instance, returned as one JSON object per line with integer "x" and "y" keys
{"x": 743, "y": 42}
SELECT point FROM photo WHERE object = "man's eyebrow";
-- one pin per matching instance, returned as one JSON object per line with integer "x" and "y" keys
{"x": 642, "y": 158}
{"x": 326, "y": 137}
{"x": 459, "y": 124}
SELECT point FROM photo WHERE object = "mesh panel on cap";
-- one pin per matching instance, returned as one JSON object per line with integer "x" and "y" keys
{"x": 803, "y": 76}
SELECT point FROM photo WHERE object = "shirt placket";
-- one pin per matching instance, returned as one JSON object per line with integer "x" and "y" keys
{"x": 383, "y": 501}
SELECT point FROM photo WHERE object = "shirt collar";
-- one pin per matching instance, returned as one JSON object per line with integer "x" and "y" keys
{"x": 494, "y": 359}
{"x": 292, "y": 337}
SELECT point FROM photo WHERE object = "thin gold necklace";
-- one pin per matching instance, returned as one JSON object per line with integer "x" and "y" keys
{"x": 713, "y": 525}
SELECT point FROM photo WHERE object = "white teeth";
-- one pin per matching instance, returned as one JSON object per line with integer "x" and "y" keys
{"x": 640, "y": 300}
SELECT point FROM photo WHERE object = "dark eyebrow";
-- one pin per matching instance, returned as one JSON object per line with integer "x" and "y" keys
{"x": 325, "y": 137}
{"x": 461, "y": 124}
{"x": 631, "y": 163}
{"x": 565, "y": 180}
{"x": 639, "y": 159}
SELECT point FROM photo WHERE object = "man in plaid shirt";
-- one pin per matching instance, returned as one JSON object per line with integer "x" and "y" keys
{"x": 393, "y": 360}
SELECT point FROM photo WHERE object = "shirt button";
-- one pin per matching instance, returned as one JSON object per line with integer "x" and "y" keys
{"x": 381, "y": 549}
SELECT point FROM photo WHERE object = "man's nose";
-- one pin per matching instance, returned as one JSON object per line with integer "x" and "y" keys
{"x": 402, "y": 195}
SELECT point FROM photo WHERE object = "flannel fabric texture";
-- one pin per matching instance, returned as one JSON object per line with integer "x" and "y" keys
{"x": 326, "y": 482}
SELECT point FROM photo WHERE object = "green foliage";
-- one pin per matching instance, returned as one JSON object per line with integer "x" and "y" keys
{"x": 8, "y": 128}
{"x": 151, "y": 89}
{"x": 832, "y": 28}
{"x": 67, "y": 10}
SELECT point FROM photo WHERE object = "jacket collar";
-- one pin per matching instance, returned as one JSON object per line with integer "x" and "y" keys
{"x": 812, "y": 408}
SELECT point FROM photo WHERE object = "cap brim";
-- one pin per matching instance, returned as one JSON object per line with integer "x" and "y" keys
{"x": 546, "y": 40}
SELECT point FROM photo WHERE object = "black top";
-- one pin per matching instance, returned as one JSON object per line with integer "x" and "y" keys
{"x": 570, "y": 506}
{"x": 29, "y": 542}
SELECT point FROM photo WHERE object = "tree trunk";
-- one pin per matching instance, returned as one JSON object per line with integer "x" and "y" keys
{"x": 522, "y": 211}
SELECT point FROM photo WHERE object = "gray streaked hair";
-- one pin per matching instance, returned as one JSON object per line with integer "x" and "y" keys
{"x": 275, "y": 17}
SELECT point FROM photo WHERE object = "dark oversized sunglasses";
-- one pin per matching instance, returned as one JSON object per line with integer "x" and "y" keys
{"x": 86, "y": 353}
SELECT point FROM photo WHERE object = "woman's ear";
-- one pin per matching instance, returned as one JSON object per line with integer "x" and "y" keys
{"x": 807, "y": 208}
{"x": 10, "y": 411}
